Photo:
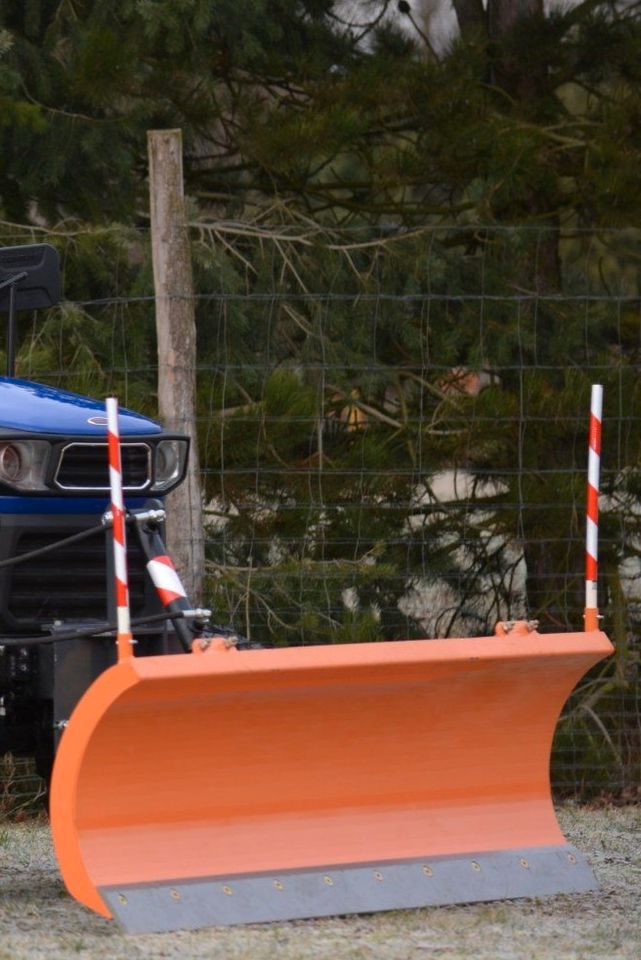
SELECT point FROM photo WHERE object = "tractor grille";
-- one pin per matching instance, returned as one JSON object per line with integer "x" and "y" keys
{"x": 69, "y": 583}
{"x": 85, "y": 466}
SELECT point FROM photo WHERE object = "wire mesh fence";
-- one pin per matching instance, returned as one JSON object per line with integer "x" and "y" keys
{"x": 393, "y": 435}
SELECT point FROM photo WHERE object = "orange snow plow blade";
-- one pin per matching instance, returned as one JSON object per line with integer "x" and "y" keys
{"x": 233, "y": 787}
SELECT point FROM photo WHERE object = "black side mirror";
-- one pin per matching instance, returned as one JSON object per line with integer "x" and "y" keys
{"x": 29, "y": 280}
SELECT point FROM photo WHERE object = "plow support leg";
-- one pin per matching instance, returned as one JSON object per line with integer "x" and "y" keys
{"x": 235, "y": 787}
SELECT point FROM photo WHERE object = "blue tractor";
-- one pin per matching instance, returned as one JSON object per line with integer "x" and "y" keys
{"x": 57, "y": 605}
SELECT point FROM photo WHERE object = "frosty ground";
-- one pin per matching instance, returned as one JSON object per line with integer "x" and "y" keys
{"x": 39, "y": 920}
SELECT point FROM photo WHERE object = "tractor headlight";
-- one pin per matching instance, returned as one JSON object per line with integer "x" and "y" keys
{"x": 23, "y": 464}
{"x": 171, "y": 457}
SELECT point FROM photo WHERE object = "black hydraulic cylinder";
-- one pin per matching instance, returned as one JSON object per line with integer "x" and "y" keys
{"x": 168, "y": 585}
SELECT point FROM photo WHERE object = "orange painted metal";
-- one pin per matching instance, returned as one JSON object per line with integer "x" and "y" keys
{"x": 591, "y": 618}
{"x": 231, "y": 762}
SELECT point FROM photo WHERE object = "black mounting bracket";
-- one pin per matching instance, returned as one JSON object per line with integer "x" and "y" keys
{"x": 29, "y": 280}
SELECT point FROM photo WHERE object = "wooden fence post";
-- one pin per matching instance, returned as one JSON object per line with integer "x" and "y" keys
{"x": 176, "y": 333}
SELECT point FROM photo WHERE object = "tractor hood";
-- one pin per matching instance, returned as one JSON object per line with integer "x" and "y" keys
{"x": 34, "y": 408}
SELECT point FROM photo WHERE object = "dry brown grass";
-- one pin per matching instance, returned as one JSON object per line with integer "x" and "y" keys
{"x": 21, "y": 789}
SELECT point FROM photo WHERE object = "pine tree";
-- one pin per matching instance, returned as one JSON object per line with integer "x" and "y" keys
{"x": 293, "y": 117}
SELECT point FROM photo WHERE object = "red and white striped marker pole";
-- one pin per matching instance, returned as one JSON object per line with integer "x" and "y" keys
{"x": 591, "y": 614}
{"x": 124, "y": 639}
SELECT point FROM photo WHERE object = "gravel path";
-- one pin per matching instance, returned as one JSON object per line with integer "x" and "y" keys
{"x": 39, "y": 920}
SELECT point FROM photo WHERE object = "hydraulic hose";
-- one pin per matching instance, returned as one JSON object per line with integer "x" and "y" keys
{"x": 100, "y": 629}
{"x": 66, "y": 541}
